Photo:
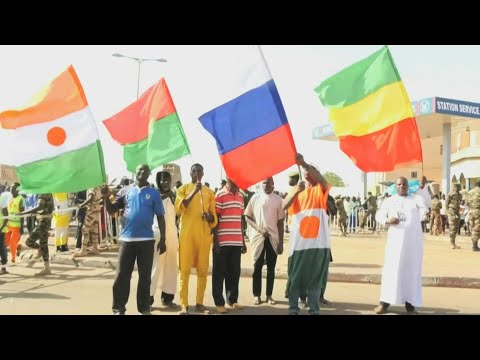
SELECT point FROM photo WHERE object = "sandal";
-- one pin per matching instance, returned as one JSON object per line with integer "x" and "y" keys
{"x": 271, "y": 301}
{"x": 183, "y": 311}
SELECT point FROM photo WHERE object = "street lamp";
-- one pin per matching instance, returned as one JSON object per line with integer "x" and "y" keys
{"x": 139, "y": 61}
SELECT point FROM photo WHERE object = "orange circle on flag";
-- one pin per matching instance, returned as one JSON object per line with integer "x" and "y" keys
{"x": 56, "y": 136}
{"x": 309, "y": 227}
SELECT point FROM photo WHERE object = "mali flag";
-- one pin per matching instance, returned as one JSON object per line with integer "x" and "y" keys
{"x": 372, "y": 115}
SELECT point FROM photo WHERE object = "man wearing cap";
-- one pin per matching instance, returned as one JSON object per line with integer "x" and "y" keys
{"x": 293, "y": 179}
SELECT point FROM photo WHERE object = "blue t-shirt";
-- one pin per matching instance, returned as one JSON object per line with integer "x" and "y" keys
{"x": 140, "y": 206}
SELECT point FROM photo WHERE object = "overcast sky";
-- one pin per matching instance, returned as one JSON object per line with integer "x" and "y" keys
{"x": 110, "y": 84}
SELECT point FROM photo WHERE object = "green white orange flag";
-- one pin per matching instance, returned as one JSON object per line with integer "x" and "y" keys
{"x": 309, "y": 254}
{"x": 54, "y": 142}
{"x": 372, "y": 115}
{"x": 149, "y": 129}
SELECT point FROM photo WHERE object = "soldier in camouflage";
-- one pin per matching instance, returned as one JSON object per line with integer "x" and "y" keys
{"x": 372, "y": 210}
{"x": 44, "y": 211}
{"x": 342, "y": 215}
{"x": 94, "y": 202}
{"x": 435, "y": 218}
{"x": 453, "y": 204}
{"x": 473, "y": 201}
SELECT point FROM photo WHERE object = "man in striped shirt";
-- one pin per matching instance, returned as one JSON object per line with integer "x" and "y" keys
{"x": 228, "y": 246}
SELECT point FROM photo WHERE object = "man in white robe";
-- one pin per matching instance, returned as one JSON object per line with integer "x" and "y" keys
{"x": 402, "y": 270}
{"x": 264, "y": 215}
{"x": 165, "y": 267}
{"x": 425, "y": 192}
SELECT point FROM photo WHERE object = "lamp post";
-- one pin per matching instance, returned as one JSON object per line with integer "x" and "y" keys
{"x": 139, "y": 61}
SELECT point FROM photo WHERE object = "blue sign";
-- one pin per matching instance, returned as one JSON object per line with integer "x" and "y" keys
{"x": 322, "y": 131}
{"x": 423, "y": 107}
{"x": 457, "y": 107}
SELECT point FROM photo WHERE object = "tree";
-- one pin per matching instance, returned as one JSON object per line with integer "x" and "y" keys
{"x": 334, "y": 179}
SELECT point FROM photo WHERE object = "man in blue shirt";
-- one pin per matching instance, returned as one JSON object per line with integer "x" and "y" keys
{"x": 140, "y": 203}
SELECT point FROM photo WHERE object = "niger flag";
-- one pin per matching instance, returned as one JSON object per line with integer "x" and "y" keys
{"x": 309, "y": 254}
{"x": 54, "y": 142}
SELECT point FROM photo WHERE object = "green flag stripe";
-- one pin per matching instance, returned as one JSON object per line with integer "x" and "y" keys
{"x": 307, "y": 269}
{"x": 166, "y": 141}
{"x": 358, "y": 80}
{"x": 135, "y": 154}
{"x": 70, "y": 172}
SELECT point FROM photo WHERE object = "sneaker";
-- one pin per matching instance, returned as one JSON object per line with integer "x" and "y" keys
{"x": 4, "y": 271}
{"x": 258, "y": 301}
{"x": 303, "y": 305}
{"x": 147, "y": 312}
{"x": 118, "y": 312}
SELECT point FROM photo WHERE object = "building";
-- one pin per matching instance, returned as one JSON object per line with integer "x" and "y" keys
{"x": 174, "y": 171}
{"x": 450, "y": 134}
{"x": 8, "y": 174}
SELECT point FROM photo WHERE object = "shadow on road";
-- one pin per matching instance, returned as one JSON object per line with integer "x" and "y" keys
{"x": 359, "y": 266}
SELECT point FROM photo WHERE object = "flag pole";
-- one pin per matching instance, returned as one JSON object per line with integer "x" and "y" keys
{"x": 299, "y": 173}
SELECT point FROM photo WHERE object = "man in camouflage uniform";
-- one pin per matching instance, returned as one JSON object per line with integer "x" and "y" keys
{"x": 90, "y": 224}
{"x": 342, "y": 215}
{"x": 473, "y": 201}
{"x": 44, "y": 211}
{"x": 435, "y": 218}
{"x": 372, "y": 210}
{"x": 453, "y": 204}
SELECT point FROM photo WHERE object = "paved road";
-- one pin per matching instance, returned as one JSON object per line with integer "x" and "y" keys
{"x": 84, "y": 291}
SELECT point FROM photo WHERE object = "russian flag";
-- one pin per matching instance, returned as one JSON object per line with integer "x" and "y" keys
{"x": 249, "y": 123}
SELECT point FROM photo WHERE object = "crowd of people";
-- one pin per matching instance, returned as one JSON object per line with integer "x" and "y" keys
{"x": 192, "y": 220}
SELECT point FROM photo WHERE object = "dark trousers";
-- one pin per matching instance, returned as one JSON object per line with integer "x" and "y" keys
{"x": 81, "y": 219}
{"x": 142, "y": 252}
{"x": 31, "y": 223}
{"x": 226, "y": 267}
{"x": 271, "y": 259}
{"x": 40, "y": 233}
{"x": 3, "y": 249}
{"x": 166, "y": 298}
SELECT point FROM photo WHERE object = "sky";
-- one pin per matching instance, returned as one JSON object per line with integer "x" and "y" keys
{"x": 110, "y": 84}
